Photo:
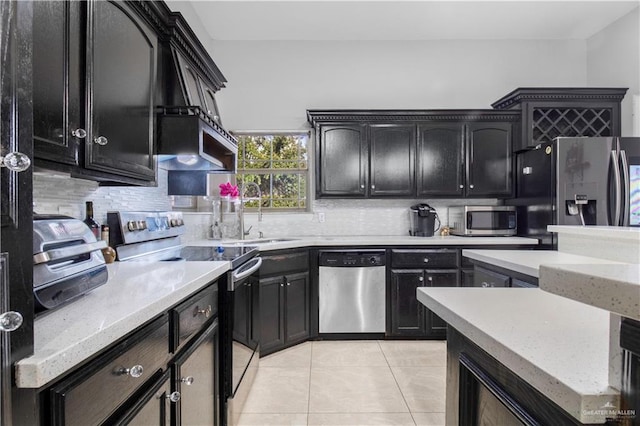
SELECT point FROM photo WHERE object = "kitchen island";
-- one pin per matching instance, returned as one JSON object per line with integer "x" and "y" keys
{"x": 562, "y": 348}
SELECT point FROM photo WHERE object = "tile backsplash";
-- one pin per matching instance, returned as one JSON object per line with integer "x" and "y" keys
{"x": 55, "y": 193}
{"x": 60, "y": 194}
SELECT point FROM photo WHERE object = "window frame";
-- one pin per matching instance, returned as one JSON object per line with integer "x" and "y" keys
{"x": 306, "y": 173}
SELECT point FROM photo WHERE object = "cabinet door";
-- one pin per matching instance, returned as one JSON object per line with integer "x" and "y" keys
{"x": 121, "y": 71}
{"x": 271, "y": 309}
{"x": 440, "y": 160}
{"x": 296, "y": 307}
{"x": 56, "y": 80}
{"x": 194, "y": 94}
{"x": 466, "y": 277}
{"x": 392, "y": 159}
{"x": 153, "y": 407}
{"x": 489, "y": 160}
{"x": 435, "y": 326}
{"x": 342, "y": 161}
{"x": 486, "y": 278}
{"x": 196, "y": 378}
{"x": 407, "y": 314}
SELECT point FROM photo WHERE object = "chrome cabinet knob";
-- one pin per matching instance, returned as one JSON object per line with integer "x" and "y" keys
{"x": 135, "y": 371}
{"x": 206, "y": 311}
{"x": 79, "y": 133}
{"x": 421, "y": 279}
{"x": 281, "y": 284}
{"x": 101, "y": 140}
{"x": 373, "y": 187}
{"x": 187, "y": 380}
{"x": 426, "y": 260}
{"x": 174, "y": 397}
{"x": 430, "y": 279}
{"x": 461, "y": 186}
{"x": 10, "y": 321}
{"x": 485, "y": 284}
{"x": 471, "y": 186}
{"x": 361, "y": 186}
{"x": 15, "y": 161}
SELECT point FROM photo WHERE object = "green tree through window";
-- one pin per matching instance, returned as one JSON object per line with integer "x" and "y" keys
{"x": 278, "y": 164}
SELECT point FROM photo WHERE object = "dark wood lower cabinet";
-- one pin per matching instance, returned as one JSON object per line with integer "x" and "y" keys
{"x": 408, "y": 316}
{"x": 482, "y": 391}
{"x": 195, "y": 378}
{"x": 153, "y": 407}
{"x": 284, "y": 307}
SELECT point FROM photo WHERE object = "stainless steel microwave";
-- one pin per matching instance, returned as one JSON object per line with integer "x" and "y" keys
{"x": 482, "y": 220}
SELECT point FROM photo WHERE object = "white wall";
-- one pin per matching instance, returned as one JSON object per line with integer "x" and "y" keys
{"x": 613, "y": 60}
{"x": 272, "y": 83}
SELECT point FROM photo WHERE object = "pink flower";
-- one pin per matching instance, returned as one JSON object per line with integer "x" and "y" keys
{"x": 228, "y": 189}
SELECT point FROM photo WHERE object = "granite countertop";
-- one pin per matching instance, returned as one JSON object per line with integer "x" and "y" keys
{"x": 276, "y": 243}
{"x": 135, "y": 293}
{"x": 528, "y": 261}
{"x": 618, "y": 232}
{"x": 557, "y": 345}
{"x": 615, "y": 288}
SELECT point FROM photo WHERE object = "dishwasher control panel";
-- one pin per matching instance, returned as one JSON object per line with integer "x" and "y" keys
{"x": 353, "y": 259}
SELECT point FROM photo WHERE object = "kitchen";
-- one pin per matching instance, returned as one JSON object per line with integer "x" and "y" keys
{"x": 297, "y": 76}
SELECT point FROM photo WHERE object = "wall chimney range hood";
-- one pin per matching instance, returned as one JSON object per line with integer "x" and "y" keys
{"x": 189, "y": 140}
{"x": 190, "y": 134}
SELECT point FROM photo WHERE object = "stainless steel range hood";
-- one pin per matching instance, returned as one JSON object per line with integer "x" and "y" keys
{"x": 189, "y": 140}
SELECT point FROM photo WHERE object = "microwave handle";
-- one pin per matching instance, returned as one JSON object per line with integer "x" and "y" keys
{"x": 626, "y": 187}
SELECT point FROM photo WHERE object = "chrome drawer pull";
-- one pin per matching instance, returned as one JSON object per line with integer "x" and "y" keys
{"x": 135, "y": 371}
{"x": 187, "y": 380}
{"x": 426, "y": 260}
{"x": 206, "y": 312}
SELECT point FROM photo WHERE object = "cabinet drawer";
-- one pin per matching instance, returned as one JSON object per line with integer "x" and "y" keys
{"x": 486, "y": 278}
{"x": 428, "y": 259}
{"x": 92, "y": 394}
{"x": 191, "y": 316}
{"x": 285, "y": 262}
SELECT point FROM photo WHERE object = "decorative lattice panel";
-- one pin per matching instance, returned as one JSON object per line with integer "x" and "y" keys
{"x": 549, "y": 123}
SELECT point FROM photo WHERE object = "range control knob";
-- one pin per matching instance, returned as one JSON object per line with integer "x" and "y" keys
{"x": 142, "y": 224}
{"x": 132, "y": 225}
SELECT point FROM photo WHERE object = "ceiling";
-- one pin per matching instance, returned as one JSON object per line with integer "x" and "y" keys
{"x": 404, "y": 20}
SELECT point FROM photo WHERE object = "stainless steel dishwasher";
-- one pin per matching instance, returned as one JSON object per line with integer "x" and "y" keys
{"x": 352, "y": 291}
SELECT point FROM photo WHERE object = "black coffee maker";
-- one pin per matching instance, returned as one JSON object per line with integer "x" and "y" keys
{"x": 422, "y": 219}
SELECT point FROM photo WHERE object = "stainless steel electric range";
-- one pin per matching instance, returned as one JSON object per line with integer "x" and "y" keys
{"x": 156, "y": 236}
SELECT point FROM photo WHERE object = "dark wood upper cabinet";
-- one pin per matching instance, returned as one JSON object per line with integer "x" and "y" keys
{"x": 413, "y": 153}
{"x": 440, "y": 159}
{"x": 550, "y": 112}
{"x": 342, "y": 161}
{"x": 489, "y": 160}
{"x": 57, "y": 80}
{"x": 95, "y": 65}
{"x": 121, "y": 76}
{"x": 392, "y": 160}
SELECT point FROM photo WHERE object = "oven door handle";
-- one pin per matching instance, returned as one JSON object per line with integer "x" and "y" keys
{"x": 66, "y": 252}
{"x": 237, "y": 276}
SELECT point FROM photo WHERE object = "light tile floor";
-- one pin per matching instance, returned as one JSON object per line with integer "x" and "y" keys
{"x": 355, "y": 383}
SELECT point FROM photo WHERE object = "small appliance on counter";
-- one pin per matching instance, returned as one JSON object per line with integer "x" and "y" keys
{"x": 67, "y": 261}
{"x": 422, "y": 219}
{"x": 497, "y": 221}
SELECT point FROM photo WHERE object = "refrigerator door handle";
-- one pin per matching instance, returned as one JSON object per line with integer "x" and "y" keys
{"x": 626, "y": 186}
{"x": 616, "y": 177}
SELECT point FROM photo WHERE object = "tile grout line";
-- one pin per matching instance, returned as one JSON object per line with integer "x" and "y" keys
{"x": 396, "y": 380}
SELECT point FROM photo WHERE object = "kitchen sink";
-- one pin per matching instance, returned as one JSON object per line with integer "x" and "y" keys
{"x": 257, "y": 241}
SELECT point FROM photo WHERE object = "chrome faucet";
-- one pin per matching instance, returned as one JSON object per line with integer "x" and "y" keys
{"x": 242, "y": 201}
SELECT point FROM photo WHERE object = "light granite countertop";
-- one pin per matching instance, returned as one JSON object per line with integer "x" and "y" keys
{"x": 277, "y": 243}
{"x": 606, "y": 232}
{"x": 615, "y": 288}
{"x": 528, "y": 262}
{"x": 135, "y": 293}
{"x": 557, "y": 345}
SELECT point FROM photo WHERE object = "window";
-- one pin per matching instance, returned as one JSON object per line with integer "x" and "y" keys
{"x": 279, "y": 164}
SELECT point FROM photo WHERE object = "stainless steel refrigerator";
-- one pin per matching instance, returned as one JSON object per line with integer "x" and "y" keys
{"x": 577, "y": 181}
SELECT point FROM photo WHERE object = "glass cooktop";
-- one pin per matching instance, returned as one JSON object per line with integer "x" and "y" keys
{"x": 237, "y": 255}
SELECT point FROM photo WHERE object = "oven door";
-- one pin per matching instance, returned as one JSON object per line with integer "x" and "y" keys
{"x": 243, "y": 341}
